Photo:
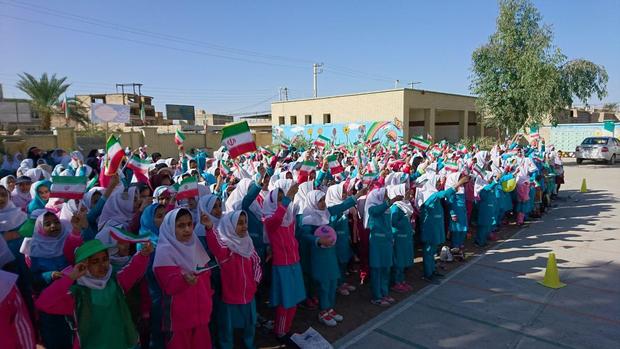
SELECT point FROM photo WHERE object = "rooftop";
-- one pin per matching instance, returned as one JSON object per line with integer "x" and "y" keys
{"x": 373, "y": 92}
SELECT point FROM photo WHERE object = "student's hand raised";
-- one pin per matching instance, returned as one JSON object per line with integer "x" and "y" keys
{"x": 78, "y": 271}
{"x": 292, "y": 191}
{"x": 206, "y": 221}
{"x": 147, "y": 249}
{"x": 190, "y": 279}
{"x": 361, "y": 192}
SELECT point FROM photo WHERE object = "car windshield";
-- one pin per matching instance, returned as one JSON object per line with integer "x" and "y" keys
{"x": 593, "y": 140}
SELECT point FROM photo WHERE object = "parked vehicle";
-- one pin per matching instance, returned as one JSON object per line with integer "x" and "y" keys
{"x": 598, "y": 149}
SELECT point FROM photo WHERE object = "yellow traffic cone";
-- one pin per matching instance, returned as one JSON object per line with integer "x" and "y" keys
{"x": 584, "y": 187}
{"x": 552, "y": 277}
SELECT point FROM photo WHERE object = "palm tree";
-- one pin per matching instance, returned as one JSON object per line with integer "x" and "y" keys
{"x": 45, "y": 94}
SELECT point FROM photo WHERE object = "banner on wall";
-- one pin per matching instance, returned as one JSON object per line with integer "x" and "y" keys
{"x": 342, "y": 133}
{"x": 101, "y": 113}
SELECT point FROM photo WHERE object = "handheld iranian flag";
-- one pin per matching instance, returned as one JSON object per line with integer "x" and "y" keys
{"x": 419, "y": 143}
{"x": 451, "y": 166}
{"x": 368, "y": 178}
{"x": 114, "y": 155}
{"x": 238, "y": 139}
{"x": 321, "y": 141}
{"x": 188, "y": 188}
{"x": 266, "y": 151}
{"x": 334, "y": 164}
{"x": 373, "y": 166}
{"x": 534, "y": 132}
{"x": 68, "y": 187}
{"x": 122, "y": 235}
{"x": 92, "y": 183}
{"x": 285, "y": 144}
{"x": 224, "y": 169}
{"x": 307, "y": 167}
{"x": 140, "y": 168}
{"x": 179, "y": 137}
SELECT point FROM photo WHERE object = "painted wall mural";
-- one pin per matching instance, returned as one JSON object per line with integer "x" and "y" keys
{"x": 342, "y": 133}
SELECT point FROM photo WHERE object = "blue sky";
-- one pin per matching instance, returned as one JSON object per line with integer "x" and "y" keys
{"x": 233, "y": 56}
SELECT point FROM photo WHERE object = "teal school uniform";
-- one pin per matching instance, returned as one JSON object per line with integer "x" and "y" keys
{"x": 402, "y": 230}
{"x": 458, "y": 229}
{"x": 433, "y": 228}
{"x": 486, "y": 213}
{"x": 381, "y": 249}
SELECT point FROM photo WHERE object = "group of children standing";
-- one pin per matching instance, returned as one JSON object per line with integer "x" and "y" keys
{"x": 131, "y": 264}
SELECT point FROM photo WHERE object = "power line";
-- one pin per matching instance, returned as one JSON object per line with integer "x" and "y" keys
{"x": 253, "y": 105}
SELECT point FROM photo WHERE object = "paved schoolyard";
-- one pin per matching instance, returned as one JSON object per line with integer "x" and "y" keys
{"x": 494, "y": 300}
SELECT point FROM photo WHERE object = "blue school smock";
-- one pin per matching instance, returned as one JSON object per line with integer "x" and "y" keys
{"x": 486, "y": 205}
{"x": 92, "y": 216}
{"x": 432, "y": 215}
{"x": 321, "y": 176}
{"x": 340, "y": 223}
{"x": 458, "y": 207}
{"x": 255, "y": 224}
{"x": 324, "y": 261}
{"x": 380, "y": 240}
{"x": 402, "y": 230}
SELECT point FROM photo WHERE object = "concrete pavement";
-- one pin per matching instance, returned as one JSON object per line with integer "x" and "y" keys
{"x": 494, "y": 300}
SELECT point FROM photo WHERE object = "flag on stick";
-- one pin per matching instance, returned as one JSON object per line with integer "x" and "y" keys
{"x": 238, "y": 139}
{"x": 179, "y": 137}
{"x": 188, "y": 188}
{"x": 334, "y": 165}
{"x": 114, "y": 155}
{"x": 68, "y": 187}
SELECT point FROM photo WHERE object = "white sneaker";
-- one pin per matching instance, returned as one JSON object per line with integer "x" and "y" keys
{"x": 326, "y": 319}
{"x": 343, "y": 291}
{"x": 349, "y": 287}
{"x": 335, "y": 315}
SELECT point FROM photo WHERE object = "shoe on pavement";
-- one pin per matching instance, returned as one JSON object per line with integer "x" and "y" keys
{"x": 349, "y": 287}
{"x": 438, "y": 274}
{"x": 431, "y": 280}
{"x": 407, "y": 286}
{"x": 380, "y": 302}
{"x": 399, "y": 288}
{"x": 389, "y": 299}
{"x": 308, "y": 305}
{"x": 335, "y": 315}
{"x": 326, "y": 319}
{"x": 343, "y": 291}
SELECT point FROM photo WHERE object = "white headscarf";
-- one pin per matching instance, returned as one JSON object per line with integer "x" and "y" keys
{"x": 400, "y": 190}
{"x": 374, "y": 198}
{"x": 171, "y": 252}
{"x": 235, "y": 200}
{"x": 89, "y": 195}
{"x": 205, "y": 206}
{"x": 429, "y": 188}
{"x": 270, "y": 204}
{"x": 334, "y": 194}
{"x": 68, "y": 210}
{"x": 44, "y": 246}
{"x": 312, "y": 215}
{"x": 95, "y": 283}
{"x": 452, "y": 180}
{"x": 481, "y": 182}
{"x": 227, "y": 233}
{"x": 118, "y": 208}
{"x": 11, "y": 217}
{"x": 302, "y": 196}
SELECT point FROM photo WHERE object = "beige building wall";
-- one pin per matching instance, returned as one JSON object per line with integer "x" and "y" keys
{"x": 443, "y": 115}
{"x": 371, "y": 106}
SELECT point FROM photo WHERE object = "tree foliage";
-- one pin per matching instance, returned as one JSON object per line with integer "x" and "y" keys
{"x": 521, "y": 78}
{"x": 45, "y": 93}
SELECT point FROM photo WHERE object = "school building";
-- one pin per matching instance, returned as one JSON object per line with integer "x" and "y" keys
{"x": 419, "y": 112}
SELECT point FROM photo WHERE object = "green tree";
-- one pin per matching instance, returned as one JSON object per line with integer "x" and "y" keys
{"x": 45, "y": 94}
{"x": 611, "y": 107}
{"x": 521, "y": 78}
{"x": 77, "y": 112}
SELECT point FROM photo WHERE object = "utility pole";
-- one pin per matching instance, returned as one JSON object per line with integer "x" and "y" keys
{"x": 316, "y": 69}
{"x": 396, "y": 83}
{"x": 286, "y": 93}
{"x": 283, "y": 94}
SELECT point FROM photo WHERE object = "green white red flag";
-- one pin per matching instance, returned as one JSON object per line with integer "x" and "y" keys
{"x": 419, "y": 143}
{"x": 68, "y": 187}
{"x": 307, "y": 167}
{"x": 451, "y": 166}
{"x": 334, "y": 165}
{"x": 114, "y": 155}
{"x": 321, "y": 142}
{"x": 369, "y": 177}
{"x": 140, "y": 168}
{"x": 188, "y": 188}
{"x": 179, "y": 137}
{"x": 224, "y": 169}
{"x": 123, "y": 235}
{"x": 238, "y": 139}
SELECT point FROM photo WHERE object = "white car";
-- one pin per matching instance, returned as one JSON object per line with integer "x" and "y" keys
{"x": 598, "y": 149}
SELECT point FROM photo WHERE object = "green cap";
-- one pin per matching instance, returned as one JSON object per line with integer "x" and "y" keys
{"x": 88, "y": 249}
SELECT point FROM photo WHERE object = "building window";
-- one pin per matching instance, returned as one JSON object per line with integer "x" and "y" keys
{"x": 293, "y": 120}
{"x": 308, "y": 119}
{"x": 281, "y": 120}
{"x": 327, "y": 118}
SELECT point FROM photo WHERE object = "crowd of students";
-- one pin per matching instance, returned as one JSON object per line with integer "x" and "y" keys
{"x": 129, "y": 265}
